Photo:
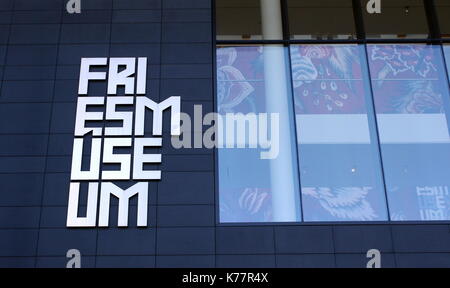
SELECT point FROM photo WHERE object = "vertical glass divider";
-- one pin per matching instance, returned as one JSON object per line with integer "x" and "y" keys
{"x": 366, "y": 68}
{"x": 294, "y": 124}
{"x": 447, "y": 74}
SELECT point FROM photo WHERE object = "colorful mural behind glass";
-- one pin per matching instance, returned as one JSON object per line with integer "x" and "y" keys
{"x": 244, "y": 178}
{"x": 339, "y": 160}
{"x": 411, "y": 98}
{"x": 339, "y": 174}
{"x": 405, "y": 78}
{"x": 327, "y": 79}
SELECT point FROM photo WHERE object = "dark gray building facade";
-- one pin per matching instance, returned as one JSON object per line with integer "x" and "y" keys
{"x": 41, "y": 46}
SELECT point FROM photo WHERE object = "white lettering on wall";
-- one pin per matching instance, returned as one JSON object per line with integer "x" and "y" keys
{"x": 99, "y": 120}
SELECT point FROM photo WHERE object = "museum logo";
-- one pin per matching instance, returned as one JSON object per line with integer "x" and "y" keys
{"x": 104, "y": 129}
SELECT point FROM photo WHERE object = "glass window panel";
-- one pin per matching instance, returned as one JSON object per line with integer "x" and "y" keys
{"x": 447, "y": 57}
{"x": 340, "y": 169}
{"x": 398, "y": 19}
{"x": 253, "y": 81}
{"x": 321, "y": 19}
{"x": 412, "y": 101}
{"x": 238, "y": 20}
{"x": 443, "y": 13}
{"x": 249, "y": 20}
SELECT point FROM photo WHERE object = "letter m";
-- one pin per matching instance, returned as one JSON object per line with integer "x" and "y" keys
{"x": 173, "y": 102}
{"x": 124, "y": 196}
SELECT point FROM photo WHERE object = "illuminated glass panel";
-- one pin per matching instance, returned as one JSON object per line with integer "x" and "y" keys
{"x": 258, "y": 177}
{"x": 447, "y": 57}
{"x": 340, "y": 168}
{"x": 412, "y": 101}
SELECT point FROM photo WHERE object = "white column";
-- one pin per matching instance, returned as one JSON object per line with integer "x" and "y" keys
{"x": 282, "y": 170}
{"x": 272, "y": 24}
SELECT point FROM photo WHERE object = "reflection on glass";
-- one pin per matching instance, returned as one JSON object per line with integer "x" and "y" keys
{"x": 252, "y": 80}
{"x": 325, "y": 19}
{"x": 340, "y": 169}
{"x": 398, "y": 19}
{"x": 447, "y": 56}
{"x": 411, "y": 99}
